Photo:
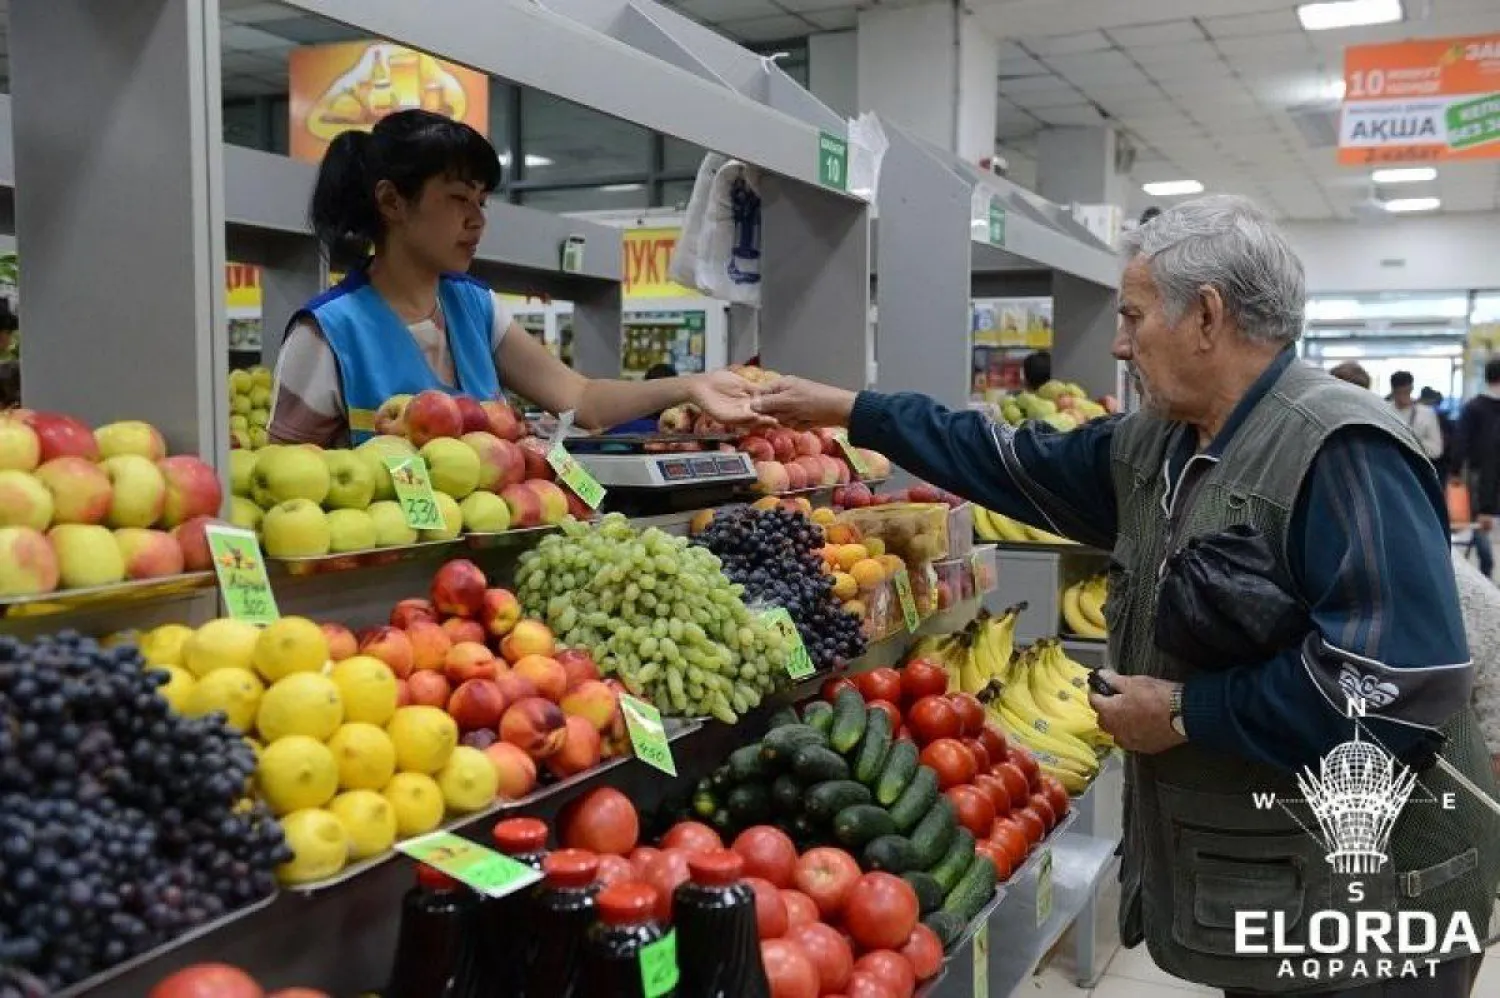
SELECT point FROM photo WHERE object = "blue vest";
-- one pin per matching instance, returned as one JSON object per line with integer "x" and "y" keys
{"x": 377, "y": 356}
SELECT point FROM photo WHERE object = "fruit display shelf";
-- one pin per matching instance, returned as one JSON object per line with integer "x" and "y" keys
{"x": 1050, "y": 547}
{"x": 355, "y": 560}
{"x": 69, "y": 600}
{"x": 507, "y": 540}
{"x": 956, "y": 979}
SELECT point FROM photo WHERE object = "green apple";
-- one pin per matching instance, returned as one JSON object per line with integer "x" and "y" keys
{"x": 240, "y": 382}
{"x": 241, "y": 470}
{"x": 351, "y": 483}
{"x": 241, "y": 439}
{"x": 290, "y": 473}
{"x": 297, "y": 528}
{"x": 485, "y": 513}
{"x": 238, "y": 422}
{"x": 374, "y": 452}
{"x": 140, "y": 491}
{"x": 350, "y": 530}
{"x": 260, "y": 418}
{"x": 244, "y": 513}
{"x": 260, "y": 397}
{"x": 453, "y": 519}
{"x": 391, "y": 528}
{"x": 452, "y": 465}
{"x": 240, "y": 405}
{"x": 87, "y": 555}
{"x": 260, "y": 377}
{"x": 258, "y": 438}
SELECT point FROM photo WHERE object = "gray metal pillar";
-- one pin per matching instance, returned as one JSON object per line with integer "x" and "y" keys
{"x": 287, "y": 283}
{"x": 1084, "y": 320}
{"x": 597, "y": 331}
{"x": 116, "y": 122}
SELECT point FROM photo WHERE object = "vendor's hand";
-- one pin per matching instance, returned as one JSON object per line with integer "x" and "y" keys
{"x": 805, "y": 405}
{"x": 1139, "y": 716}
{"x": 727, "y": 397}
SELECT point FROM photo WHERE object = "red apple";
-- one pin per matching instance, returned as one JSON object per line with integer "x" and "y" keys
{"x": 458, "y": 588}
{"x": 553, "y": 501}
{"x": 475, "y": 419}
{"x": 534, "y": 452}
{"x": 502, "y": 421}
{"x": 525, "y": 506}
{"x": 577, "y": 508}
{"x": 433, "y": 414}
{"x": 81, "y": 491}
{"x": 192, "y": 489}
{"x": 192, "y": 538}
{"x": 63, "y": 436}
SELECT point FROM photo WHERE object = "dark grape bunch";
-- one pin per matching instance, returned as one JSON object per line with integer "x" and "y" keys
{"x": 122, "y": 824}
{"x": 773, "y": 554}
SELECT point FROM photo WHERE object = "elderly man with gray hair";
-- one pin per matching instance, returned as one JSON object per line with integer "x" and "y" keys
{"x": 1318, "y": 530}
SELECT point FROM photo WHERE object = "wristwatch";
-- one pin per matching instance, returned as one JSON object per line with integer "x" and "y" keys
{"x": 1174, "y": 711}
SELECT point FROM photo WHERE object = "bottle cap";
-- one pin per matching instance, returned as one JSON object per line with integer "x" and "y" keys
{"x": 571, "y": 868}
{"x": 716, "y": 868}
{"x": 434, "y": 879}
{"x": 520, "y": 836}
{"x": 626, "y": 904}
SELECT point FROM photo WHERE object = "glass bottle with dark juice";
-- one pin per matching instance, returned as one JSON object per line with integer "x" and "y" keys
{"x": 718, "y": 944}
{"x": 561, "y": 912}
{"x": 625, "y": 957}
{"x": 504, "y": 924}
{"x": 432, "y": 949}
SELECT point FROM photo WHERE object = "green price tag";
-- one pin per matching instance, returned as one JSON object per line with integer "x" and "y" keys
{"x": 659, "y": 966}
{"x": 833, "y": 161}
{"x": 577, "y": 477}
{"x": 908, "y": 601}
{"x": 798, "y": 663}
{"x": 414, "y": 491}
{"x": 852, "y": 454}
{"x": 486, "y": 871}
{"x": 997, "y": 222}
{"x": 982, "y": 961}
{"x": 1044, "y": 888}
{"x": 647, "y": 736}
{"x": 242, "y": 574}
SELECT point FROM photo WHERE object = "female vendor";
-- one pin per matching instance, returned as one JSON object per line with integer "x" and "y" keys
{"x": 411, "y": 193}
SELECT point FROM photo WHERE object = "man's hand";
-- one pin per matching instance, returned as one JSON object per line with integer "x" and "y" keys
{"x": 805, "y": 405}
{"x": 728, "y": 398}
{"x": 1139, "y": 716}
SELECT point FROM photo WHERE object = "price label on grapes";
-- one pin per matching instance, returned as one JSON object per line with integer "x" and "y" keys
{"x": 414, "y": 491}
{"x": 855, "y": 458}
{"x": 659, "y": 966}
{"x": 488, "y": 872}
{"x": 242, "y": 574}
{"x": 799, "y": 663}
{"x": 648, "y": 737}
{"x": 1044, "y": 888}
{"x": 982, "y": 961}
{"x": 908, "y": 601}
{"x": 575, "y": 476}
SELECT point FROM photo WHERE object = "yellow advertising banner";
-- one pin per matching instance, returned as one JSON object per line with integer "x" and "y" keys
{"x": 354, "y": 84}
{"x": 648, "y": 253}
{"x": 242, "y": 286}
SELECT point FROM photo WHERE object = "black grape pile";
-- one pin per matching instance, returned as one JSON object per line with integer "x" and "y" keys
{"x": 122, "y": 825}
{"x": 773, "y": 554}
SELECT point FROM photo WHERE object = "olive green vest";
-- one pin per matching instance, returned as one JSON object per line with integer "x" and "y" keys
{"x": 1197, "y": 849}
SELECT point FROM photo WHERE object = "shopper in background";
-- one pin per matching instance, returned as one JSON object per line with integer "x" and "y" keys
{"x": 1236, "y": 432}
{"x": 1420, "y": 419}
{"x": 1480, "y": 601}
{"x": 1353, "y": 373}
{"x": 407, "y": 199}
{"x": 1445, "y": 462}
{"x": 1479, "y": 458}
{"x": 1036, "y": 369}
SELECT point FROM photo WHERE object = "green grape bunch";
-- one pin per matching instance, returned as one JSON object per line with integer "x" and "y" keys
{"x": 657, "y": 613}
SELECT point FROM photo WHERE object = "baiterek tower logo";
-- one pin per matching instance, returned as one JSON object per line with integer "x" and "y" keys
{"x": 1357, "y": 796}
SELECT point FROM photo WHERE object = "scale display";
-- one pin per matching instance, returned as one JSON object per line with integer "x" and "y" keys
{"x": 645, "y": 471}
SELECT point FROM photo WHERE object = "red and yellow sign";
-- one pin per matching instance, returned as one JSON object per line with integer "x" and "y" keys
{"x": 648, "y": 254}
{"x": 1421, "y": 101}
{"x": 242, "y": 286}
{"x": 354, "y": 84}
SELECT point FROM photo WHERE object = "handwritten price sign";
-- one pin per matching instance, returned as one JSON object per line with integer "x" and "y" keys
{"x": 576, "y": 476}
{"x": 414, "y": 492}
{"x": 647, "y": 734}
{"x": 242, "y": 574}
{"x": 798, "y": 663}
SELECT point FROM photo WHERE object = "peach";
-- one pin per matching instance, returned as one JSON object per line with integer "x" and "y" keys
{"x": 471, "y": 412}
{"x": 516, "y": 768}
{"x": 502, "y": 421}
{"x": 430, "y": 645}
{"x": 593, "y": 701}
{"x": 812, "y": 465}
{"x": 460, "y": 630}
{"x": 796, "y": 476}
{"x": 534, "y": 725}
{"x": 467, "y": 660}
{"x": 409, "y": 610}
{"x": 759, "y": 448}
{"x": 403, "y": 693}
{"x": 192, "y": 537}
{"x": 432, "y": 414}
{"x": 428, "y": 689}
{"x": 63, "y": 436}
{"x": 513, "y": 686}
{"x": 341, "y": 643}
{"x": 392, "y": 647}
{"x": 580, "y": 749}
{"x": 578, "y": 664}
{"x": 554, "y": 501}
{"x": 534, "y": 453}
{"x": 550, "y": 678}
{"x": 830, "y": 468}
{"x": 528, "y": 637}
{"x": 841, "y": 533}
{"x": 193, "y": 489}
{"x": 81, "y": 491}
{"x": 784, "y": 443}
{"x": 809, "y": 443}
{"x": 845, "y": 473}
{"x": 499, "y": 612}
{"x": 525, "y": 506}
{"x": 149, "y": 554}
{"x": 477, "y": 703}
{"x": 458, "y": 588}
{"x": 771, "y": 476}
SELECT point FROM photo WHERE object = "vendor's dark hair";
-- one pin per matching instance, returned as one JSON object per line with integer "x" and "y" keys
{"x": 406, "y": 148}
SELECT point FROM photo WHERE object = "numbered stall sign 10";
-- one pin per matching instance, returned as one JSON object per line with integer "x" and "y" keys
{"x": 242, "y": 574}
{"x": 833, "y": 161}
{"x": 414, "y": 492}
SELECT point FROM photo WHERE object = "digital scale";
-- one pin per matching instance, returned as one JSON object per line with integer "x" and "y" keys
{"x": 644, "y": 481}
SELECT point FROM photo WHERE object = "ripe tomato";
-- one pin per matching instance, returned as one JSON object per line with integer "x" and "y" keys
{"x": 921, "y": 678}
{"x": 829, "y": 951}
{"x": 208, "y": 980}
{"x": 1009, "y": 834}
{"x": 924, "y": 951}
{"x": 953, "y": 763}
{"x": 641, "y": 857}
{"x": 995, "y": 789}
{"x": 863, "y": 984}
{"x": 970, "y": 713}
{"x": 973, "y": 809}
{"x": 994, "y": 742}
{"x": 666, "y": 873}
{"x": 879, "y": 684}
{"x": 770, "y": 909}
{"x": 891, "y": 711}
{"x": 692, "y": 836}
{"x": 979, "y": 752}
{"x": 616, "y": 869}
{"x": 892, "y": 968}
{"x": 1015, "y": 782}
{"x": 800, "y": 909}
{"x": 997, "y": 854}
{"x": 881, "y": 911}
{"x": 1031, "y": 823}
{"x": 768, "y": 852}
{"x": 789, "y": 971}
{"x": 833, "y": 684}
{"x": 931, "y": 718}
{"x": 828, "y": 876}
{"x": 1057, "y": 795}
{"x": 1038, "y": 802}
{"x": 1027, "y": 764}
{"x": 602, "y": 821}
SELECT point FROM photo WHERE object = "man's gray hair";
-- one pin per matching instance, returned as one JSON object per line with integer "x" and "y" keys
{"x": 1227, "y": 243}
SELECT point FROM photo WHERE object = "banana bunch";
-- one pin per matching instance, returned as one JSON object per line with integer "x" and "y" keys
{"x": 992, "y": 527}
{"x": 976, "y": 656}
{"x": 1041, "y": 702}
{"x": 1083, "y": 607}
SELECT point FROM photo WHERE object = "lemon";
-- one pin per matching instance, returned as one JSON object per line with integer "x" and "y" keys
{"x": 304, "y": 703}
{"x": 368, "y": 820}
{"x": 178, "y": 687}
{"x": 469, "y": 781}
{"x": 368, "y": 687}
{"x": 365, "y": 755}
{"x": 234, "y": 691}
{"x": 297, "y": 772}
{"x": 319, "y": 844}
{"x": 424, "y": 738}
{"x": 164, "y": 645}
{"x": 291, "y": 644}
{"x": 417, "y": 802}
{"x": 220, "y": 644}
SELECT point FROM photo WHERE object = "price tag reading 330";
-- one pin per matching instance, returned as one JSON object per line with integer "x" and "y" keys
{"x": 908, "y": 601}
{"x": 798, "y": 663}
{"x": 414, "y": 491}
{"x": 647, "y": 735}
{"x": 242, "y": 574}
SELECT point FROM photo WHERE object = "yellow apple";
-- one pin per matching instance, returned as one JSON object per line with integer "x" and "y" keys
{"x": 485, "y": 513}
{"x": 87, "y": 555}
{"x": 28, "y": 565}
{"x": 452, "y": 465}
{"x": 140, "y": 491}
{"x": 350, "y": 530}
{"x": 130, "y": 436}
{"x": 289, "y": 473}
{"x": 24, "y": 501}
{"x": 351, "y": 483}
{"x": 391, "y": 528}
{"x": 296, "y": 528}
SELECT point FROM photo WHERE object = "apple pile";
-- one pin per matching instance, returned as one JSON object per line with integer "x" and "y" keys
{"x": 82, "y": 508}
{"x": 1060, "y": 404}
{"x": 249, "y": 407}
{"x": 786, "y": 461}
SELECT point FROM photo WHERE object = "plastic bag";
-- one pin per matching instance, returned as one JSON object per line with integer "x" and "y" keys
{"x": 729, "y": 244}
{"x": 683, "y": 268}
{"x": 1224, "y": 601}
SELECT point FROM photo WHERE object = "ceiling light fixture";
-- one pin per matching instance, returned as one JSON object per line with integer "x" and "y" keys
{"x": 1349, "y": 14}
{"x": 1169, "y": 188}
{"x": 532, "y": 160}
{"x": 1405, "y": 175}
{"x": 1404, "y": 205}
{"x": 621, "y": 188}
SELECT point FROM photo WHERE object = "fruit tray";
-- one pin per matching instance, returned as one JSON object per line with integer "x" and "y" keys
{"x": 373, "y": 558}
{"x": 64, "y": 600}
{"x": 520, "y": 537}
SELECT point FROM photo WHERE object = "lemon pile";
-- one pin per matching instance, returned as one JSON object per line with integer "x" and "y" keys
{"x": 345, "y": 769}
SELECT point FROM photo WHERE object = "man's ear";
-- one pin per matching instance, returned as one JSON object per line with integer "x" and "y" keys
{"x": 1212, "y": 322}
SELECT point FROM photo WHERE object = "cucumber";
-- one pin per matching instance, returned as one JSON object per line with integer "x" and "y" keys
{"x": 848, "y": 721}
{"x": 890, "y": 853}
{"x": 786, "y": 795}
{"x": 818, "y": 714}
{"x": 956, "y": 861}
{"x": 781, "y": 744}
{"x": 973, "y": 890}
{"x": 915, "y": 801}
{"x": 930, "y": 894}
{"x": 900, "y": 767}
{"x": 815, "y": 764}
{"x": 749, "y": 804}
{"x": 948, "y": 927}
{"x": 857, "y": 826}
{"x": 782, "y": 716}
{"x": 825, "y": 800}
{"x": 869, "y": 759}
{"x": 934, "y": 833}
{"x": 746, "y": 765}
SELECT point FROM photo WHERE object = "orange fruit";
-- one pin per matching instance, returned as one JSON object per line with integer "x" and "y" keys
{"x": 850, "y": 555}
{"x": 766, "y": 503}
{"x": 867, "y": 574}
{"x": 855, "y": 607}
{"x": 844, "y": 586}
